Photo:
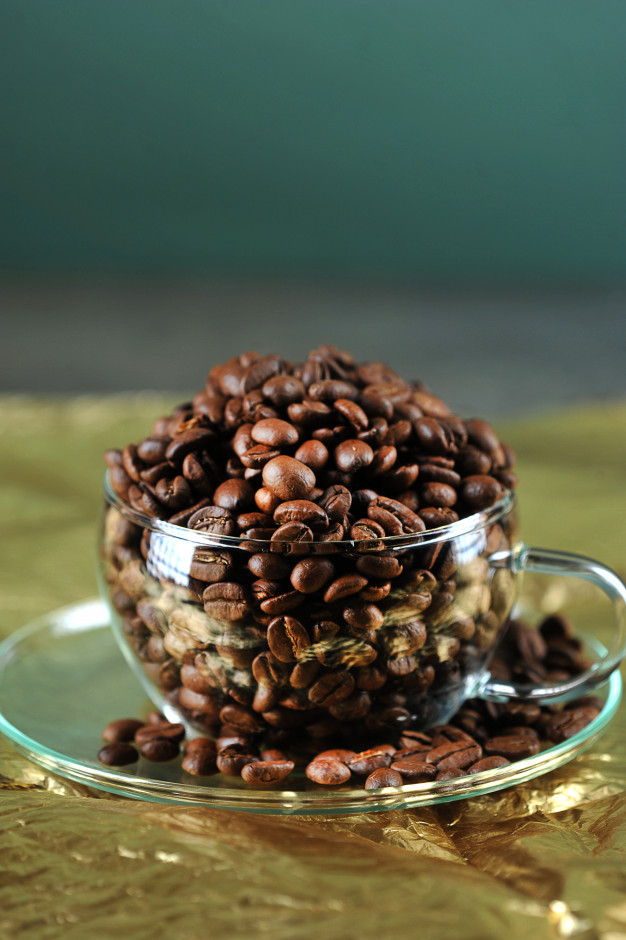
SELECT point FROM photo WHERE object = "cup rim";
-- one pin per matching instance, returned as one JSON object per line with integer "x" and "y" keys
{"x": 451, "y": 531}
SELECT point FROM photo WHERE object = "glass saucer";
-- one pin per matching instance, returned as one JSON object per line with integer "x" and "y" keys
{"x": 62, "y": 678}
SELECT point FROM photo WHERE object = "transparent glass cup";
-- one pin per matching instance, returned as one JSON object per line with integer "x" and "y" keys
{"x": 380, "y": 635}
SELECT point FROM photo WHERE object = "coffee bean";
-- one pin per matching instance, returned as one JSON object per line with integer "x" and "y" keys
{"x": 311, "y": 574}
{"x": 336, "y": 753}
{"x": 363, "y": 616}
{"x": 327, "y": 771}
{"x": 288, "y": 478}
{"x": 438, "y": 494}
{"x": 314, "y": 454}
{"x": 433, "y": 436}
{"x": 567, "y": 723}
{"x": 269, "y": 566}
{"x": 479, "y": 492}
{"x": 212, "y": 519}
{"x": 200, "y": 761}
{"x": 383, "y": 777}
{"x": 118, "y": 754}
{"x": 226, "y": 600}
{"x": 513, "y": 747}
{"x": 301, "y": 510}
{"x": 159, "y": 750}
{"x": 275, "y": 432}
{"x": 267, "y": 771}
{"x": 414, "y": 770}
{"x": 331, "y": 688}
{"x": 366, "y": 762}
{"x": 282, "y": 390}
{"x": 344, "y": 586}
{"x": 336, "y": 502}
{"x": 287, "y": 639}
{"x": 211, "y": 565}
{"x": 293, "y": 532}
{"x": 379, "y": 565}
{"x": 170, "y": 731}
{"x": 395, "y": 517}
{"x": 233, "y": 758}
{"x": 329, "y": 390}
{"x": 352, "y": 412}
{"x": 124, "y": 729}
{"x": 353, "y": 455}
{"x": 488, "y": 763}
{"x": 234, "y": 495}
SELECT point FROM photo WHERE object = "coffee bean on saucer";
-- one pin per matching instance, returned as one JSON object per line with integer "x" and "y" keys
{"x": 124, "y": 729}
{"x": 117, "y": 754}
{"x": 383, "y": 777}
{"x": 200, "y": 761}
{"x": 159, "y": 750}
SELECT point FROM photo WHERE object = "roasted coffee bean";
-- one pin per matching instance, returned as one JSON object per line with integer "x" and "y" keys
{"x": 330, "y": 688}
{"x": 488, "y": 763}
{"x": 287, "y": 639}
{"x": 383, "y": 777}
{"x": 434, "y": 436}
{"x": 233, "y": 758}
{"x": 438, "y": 494}
{"x": 159, "y": 750}
{"x": 379, "y": 565}
{"x": 269, "y": 565}
{"x": 200, "y": 761}
{"x": 209, "y": 564}
{"x": 269, "y": 671}
{"x": 293, "y": 532}
{"x": 304, "y": 674}
{"x": 214, "y": 520}
{"x": 241, "y": 718}
{"x": 366, "y": 762}
{"x": 267, "y": 771}
{"x": 124, "y": 729}
{"x": 314, "y": 454}
{"x": 203, "y": 703}
{"x": 173, "y": 493}
{"x": 436, "y": 516}
{"x": 414, "y": 770}
{"x": 513, "y": 747}
{"x": 344, "y": 586}
{"x": 353, "y": 455}
{"x": 352, "y": 412}
{"x": 275, "y": 432}
{"x": 336, "y": 753}
{"x": 482, "y": 435}
{"x": 226, "y": 600}
{"x": 479, "y": 492}
{"x": 118, "y": 754}
{"x": 281, "y": 603}
{"x": 282, "y": 390}
{"x": 193, "y": 439}
{"x": 363, "y": 616}
{"x": 234, "y": 495}
{"x": 301, "y": 510}
{"x": 366, "y": 530}
{"x": 330, "y": 390}
{"x": 170, "y": 731}
{"x": 327, "y": 771}
{"x": 567, "y": 723}
{"x": 288, "y": 478}
{"x": 311, "y": 574}
{"x": 309, "y": 414}
{"x": 395, "y": 517}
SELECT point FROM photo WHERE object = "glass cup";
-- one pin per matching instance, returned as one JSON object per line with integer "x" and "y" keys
{"x": 348, "y": 641}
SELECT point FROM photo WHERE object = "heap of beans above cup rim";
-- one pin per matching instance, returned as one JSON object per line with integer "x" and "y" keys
{"x": 323, "y": 450}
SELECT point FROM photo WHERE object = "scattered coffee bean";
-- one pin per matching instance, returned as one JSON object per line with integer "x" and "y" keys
{"x": 118, "y": 754}
{"x": 124, "y": 729}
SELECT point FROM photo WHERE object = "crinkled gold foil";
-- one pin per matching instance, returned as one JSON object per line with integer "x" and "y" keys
{"x": 544, "y": 859}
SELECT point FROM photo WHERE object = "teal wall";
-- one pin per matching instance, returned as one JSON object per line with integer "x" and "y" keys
{"x": 445, "y": 140}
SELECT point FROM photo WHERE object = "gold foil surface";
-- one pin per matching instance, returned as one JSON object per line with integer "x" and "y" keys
{"x": 544, "y": 859}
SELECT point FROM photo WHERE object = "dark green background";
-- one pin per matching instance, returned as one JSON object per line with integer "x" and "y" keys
{"x": 462, "y": 139}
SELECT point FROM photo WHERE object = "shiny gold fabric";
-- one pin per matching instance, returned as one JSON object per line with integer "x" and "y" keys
{"x": 545, "y": 859}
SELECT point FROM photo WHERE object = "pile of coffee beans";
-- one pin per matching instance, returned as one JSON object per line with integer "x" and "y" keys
{"x": 323, "y": 450}
{"x": 481, "y": 736}
{"x": 312, "y": 592}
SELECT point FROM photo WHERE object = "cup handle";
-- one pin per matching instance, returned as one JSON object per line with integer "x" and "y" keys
{"x": 547, "y": 561}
